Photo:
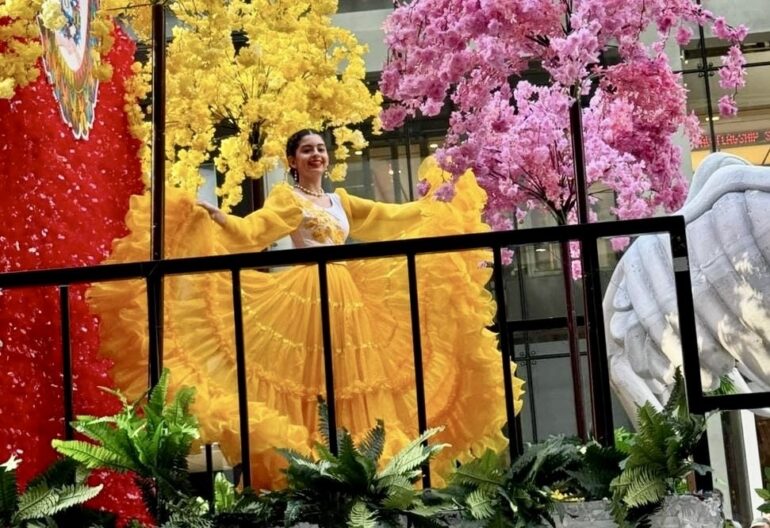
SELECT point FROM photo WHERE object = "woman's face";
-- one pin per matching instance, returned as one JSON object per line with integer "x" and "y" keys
{"x": 310, "y": 159}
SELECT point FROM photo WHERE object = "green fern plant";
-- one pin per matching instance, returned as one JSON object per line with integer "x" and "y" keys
{"x": 659, "y": 457}
{"x": 54, "y": 498}
{"x": 518, "y": 496}
{"x": 348, "y": 490}
{"x": 150, "y": 438}
{"x": 522, "y": 495}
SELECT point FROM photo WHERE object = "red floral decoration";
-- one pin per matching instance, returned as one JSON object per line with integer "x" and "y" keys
{"x": 63, "y": 201}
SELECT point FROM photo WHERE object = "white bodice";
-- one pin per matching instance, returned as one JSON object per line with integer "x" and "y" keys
{"x": 321, "y": 226}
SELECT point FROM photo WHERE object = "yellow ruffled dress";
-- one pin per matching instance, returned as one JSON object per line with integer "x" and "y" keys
{"x": 371, "y": 326}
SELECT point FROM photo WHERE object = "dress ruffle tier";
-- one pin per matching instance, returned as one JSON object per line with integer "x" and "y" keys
{"x": 371, "y": 333}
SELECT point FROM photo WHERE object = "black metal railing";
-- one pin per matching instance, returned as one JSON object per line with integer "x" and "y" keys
{"x": 153, "y": 272}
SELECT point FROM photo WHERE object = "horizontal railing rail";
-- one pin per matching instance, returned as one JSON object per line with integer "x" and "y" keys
{"x": 132, "y": 270}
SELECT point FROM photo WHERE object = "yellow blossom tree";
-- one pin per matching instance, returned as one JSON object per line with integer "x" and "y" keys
{"x": 236, "y": 104}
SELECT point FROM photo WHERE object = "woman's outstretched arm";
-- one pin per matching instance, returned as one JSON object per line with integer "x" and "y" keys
{"x": 280, "y": 215}
{"x": 372, "y": 221}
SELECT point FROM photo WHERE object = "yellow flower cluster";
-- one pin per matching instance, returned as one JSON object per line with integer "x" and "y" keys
{"x": 137, "y": 88}
{"x": 19, "y": 45}
{"x": 51, "y": 14}
{"x": 235, "y": 104}
{"x": 138, "y": 13}
{"x": 101, "y": 30}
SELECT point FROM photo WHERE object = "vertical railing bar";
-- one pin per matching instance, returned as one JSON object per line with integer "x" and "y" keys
{"x": 158, "y": 177}
{"x": 689, "y": 341}
{"x": 514, "y": 437}
{"x": 323, "y": 292}
{"x": 240, "y": 365}
{"x": 157, "y": 190}
{"x": 209, "y": 455}
{"x": 419, "y": 375}
{"x": 154, "y": 284}
{"x": 603, "y": 421}
{"x": 687, "y": 331}
{"x": 66, "y": 344}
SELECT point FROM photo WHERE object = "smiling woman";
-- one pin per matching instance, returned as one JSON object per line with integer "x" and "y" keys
{"x": 369, "y": 311}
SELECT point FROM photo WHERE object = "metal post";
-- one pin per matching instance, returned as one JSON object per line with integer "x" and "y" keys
{"x": 157, "y": 187}
{"x": 601, "y": 402}
{"x": 209, "y": 454}
{"x": 158, "y": 127}
{"x": 686, "y": 310}
{"x": 154, "y": 286}
{"x": 64, "y": 312}
{"x": 419, "y": 377}
{"x": 323, "y": 292}
{"x": 515, "y": 446}
{"x": 240, "y": 365}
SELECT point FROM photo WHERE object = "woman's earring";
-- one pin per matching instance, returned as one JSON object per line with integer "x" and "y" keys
{"x": 327, "y": 174}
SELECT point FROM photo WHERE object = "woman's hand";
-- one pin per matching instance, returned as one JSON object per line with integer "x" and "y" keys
{"x": 213, "y": 211}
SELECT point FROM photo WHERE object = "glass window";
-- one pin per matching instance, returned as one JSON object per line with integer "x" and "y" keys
{"x": 385, "y": 171}
{"x": 346, "y": 6}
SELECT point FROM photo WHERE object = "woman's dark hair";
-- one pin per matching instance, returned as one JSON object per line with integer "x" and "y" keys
{"x": 292, "y": 144}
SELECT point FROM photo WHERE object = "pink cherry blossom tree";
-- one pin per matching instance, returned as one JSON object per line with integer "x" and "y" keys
{"x": 515, "y": 135}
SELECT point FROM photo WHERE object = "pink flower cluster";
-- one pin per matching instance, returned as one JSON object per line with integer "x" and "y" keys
{"x": 515, "y": 135}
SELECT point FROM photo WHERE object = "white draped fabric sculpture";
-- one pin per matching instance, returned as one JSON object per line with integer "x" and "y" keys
{"x": 728, "y": 230}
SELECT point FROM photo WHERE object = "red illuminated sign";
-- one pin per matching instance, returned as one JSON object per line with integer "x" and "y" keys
{"x": 736, "y": 139}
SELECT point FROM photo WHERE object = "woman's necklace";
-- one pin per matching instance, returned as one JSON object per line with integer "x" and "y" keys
{"x": 317, "y": 194}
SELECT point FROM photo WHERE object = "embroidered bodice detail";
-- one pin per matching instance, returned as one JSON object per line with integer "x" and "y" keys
{"x": 321, "y": 226}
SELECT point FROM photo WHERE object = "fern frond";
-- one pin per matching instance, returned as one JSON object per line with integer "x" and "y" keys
{"x": 93, "y": 456}
{"x": 399, "y": 490}
{"x": 178, "y": 410}
{"x": 677, "y": 400}
{"x": 374, "y": 442}
{"x": 291, "y": 455}
{"x": 157, "y": 398}
{"x": 353, "y": 468}
{"x": 654, "y": 429}
{"x": 224, "y": 493}
{"x": 414, "y": 454}
{"x": 323, "y": 420}
{"x": 74, "y": 494}
{"x": 481, "y": 504}
{"x": 641, "y": 486}
{"x": 485, "y": 472}
{"x": 361, "y": 516}
{"x": 36, "y": 502}
{"x": 324, "y": 453}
